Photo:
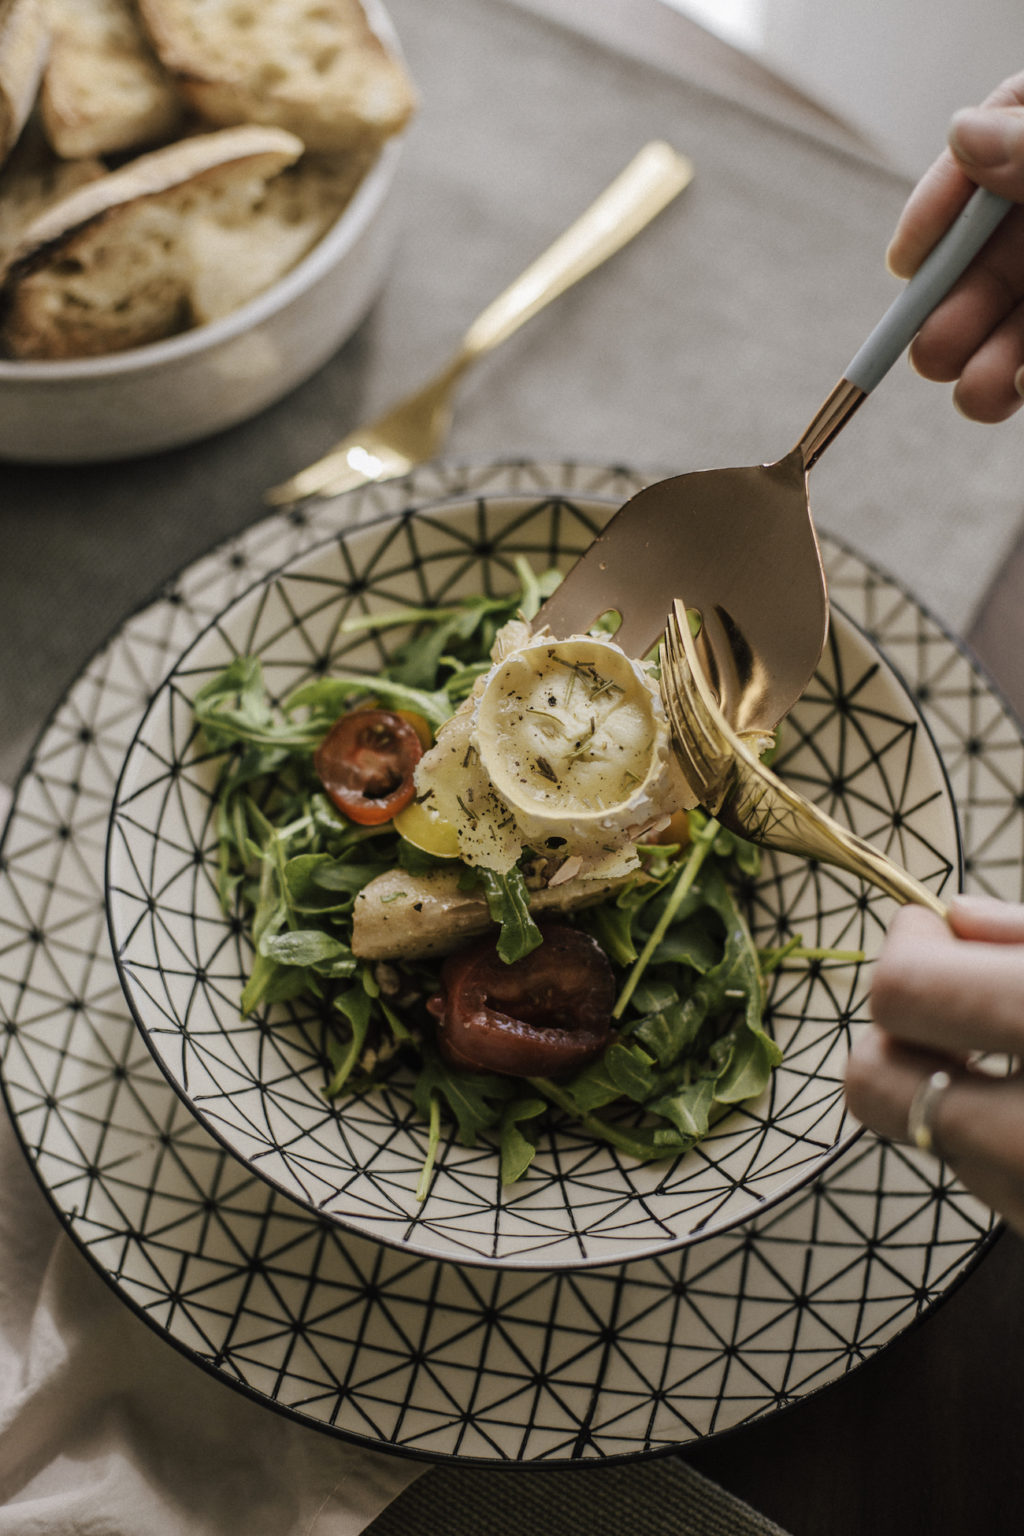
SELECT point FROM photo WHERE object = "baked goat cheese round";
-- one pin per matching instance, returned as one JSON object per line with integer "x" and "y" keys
{"x": 563, "y": 748}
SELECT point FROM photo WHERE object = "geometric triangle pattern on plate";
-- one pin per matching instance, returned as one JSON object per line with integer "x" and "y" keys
{"x": 402, "y": 1352}
{"x": 856, "y": 743}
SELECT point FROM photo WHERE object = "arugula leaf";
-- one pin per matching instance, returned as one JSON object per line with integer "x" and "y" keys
{"x": 234, "y": 709}
{"x": 679, "y": 894}
{"x": 508, "y": 902}
{"x": 327, "y": 697}
{"x": 475, "y": 1099}
{"x": 693, "y": 941}
{"x": 646, "y": 1143}
{"x": 312, "y": 947}
{"x": 752, "y": 1058}
{"x": 671, "y": 1032}
{"x": 270, "y": 982}
{"x": 321, "y": 883}
{"x": 689, "y": 1107}
{"x": 415, "y": 861}
{"x": 534, "y": 590}
{"x": 612, "y": 926}
{"x": 516, "y": 1148}
{"x": 232, "y": 833}
{"x": 233, "y": 704}
{"x": 622, "y": 1071}
{"x": 356, "y": 1007}
{"x": 468, "y": 626}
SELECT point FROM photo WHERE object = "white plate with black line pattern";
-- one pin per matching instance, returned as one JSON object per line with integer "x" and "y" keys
{"x": 856, "y": 742}
{"x": 357, "y": 1338}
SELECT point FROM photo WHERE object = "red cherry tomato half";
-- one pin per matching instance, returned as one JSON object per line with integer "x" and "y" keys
{"x": 366, "y": 763}
{"x": 542, "y": 1016}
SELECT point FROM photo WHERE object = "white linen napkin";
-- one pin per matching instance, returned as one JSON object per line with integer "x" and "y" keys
{"x": 106, "y": 1430}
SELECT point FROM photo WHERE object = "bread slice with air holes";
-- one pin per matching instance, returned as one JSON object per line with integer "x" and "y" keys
{"x": 103, "y": 90}
{"x": 315, "y": 67}
{"x": 24, "y": 47}
{"x": 237, "y": 257}
{"x": 110, "y": 267}
{"x": 33, "y": 179}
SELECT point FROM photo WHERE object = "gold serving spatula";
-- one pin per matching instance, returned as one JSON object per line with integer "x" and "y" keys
{"x": 739, "y": 544}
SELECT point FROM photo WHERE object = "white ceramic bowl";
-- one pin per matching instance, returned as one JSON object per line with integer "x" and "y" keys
{"x": 856, "y": 742}
{"x": 199, "y": 382}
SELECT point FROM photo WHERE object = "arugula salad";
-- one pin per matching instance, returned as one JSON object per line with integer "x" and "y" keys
{"x": 630, "y": 1003}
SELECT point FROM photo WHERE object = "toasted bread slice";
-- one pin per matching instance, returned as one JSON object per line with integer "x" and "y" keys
{"x": 104, "y": 90}
{"x": 316, "y": 68}
{"x": 32, "y": 180}
{"x": 109, "y": 267}
{"x": 24, "y": 46}
{"x": 236, "y": 254}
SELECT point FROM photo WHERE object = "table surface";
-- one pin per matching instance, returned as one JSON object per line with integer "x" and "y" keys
{"x": 925, "y": 1437}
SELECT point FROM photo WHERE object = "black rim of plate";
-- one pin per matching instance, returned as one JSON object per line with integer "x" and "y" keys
{"x": 346, "y": 1335}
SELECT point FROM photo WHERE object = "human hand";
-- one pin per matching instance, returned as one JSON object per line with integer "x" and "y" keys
{"x": 940, "y": 993}
{"x": 976, "y": 334}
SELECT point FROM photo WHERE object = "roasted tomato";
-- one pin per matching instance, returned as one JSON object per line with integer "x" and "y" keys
{"x": 542, "y": 1016}
{"x": 366, "y": 763}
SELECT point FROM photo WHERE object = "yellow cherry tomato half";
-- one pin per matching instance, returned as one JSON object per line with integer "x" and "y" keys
{"x": 426, "y": 832}
{"x": 677, "y": 831}
{"x": 420, "y": 725}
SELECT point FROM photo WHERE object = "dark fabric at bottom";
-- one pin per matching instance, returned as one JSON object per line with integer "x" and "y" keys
{"x": 663, "y": 1497}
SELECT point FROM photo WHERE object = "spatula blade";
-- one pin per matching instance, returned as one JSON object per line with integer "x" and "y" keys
{"x": 736, "y": 544}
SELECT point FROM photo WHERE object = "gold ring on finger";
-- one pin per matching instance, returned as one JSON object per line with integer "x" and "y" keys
{"x": 921, "y": 1114}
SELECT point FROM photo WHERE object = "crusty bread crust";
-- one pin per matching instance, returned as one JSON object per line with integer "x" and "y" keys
{"x": 24, "y": 48}
{"x": 318, "y": 68}
{"x": 162, "y": 170}
{"x": 94, "y": 260}
{"x": 33, "y": 179}
{"x": 109, "y": 267}
{"x": 104, "y": 90}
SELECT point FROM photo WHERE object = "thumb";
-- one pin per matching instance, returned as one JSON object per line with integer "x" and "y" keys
{"x": 989, "y": 144}
{"x": 986, "y": 919}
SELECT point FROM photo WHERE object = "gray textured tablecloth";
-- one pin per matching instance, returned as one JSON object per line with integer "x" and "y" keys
{"x": 710, "y": 341}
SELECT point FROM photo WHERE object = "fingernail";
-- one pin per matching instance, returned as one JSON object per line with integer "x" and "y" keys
{"x": 894, "y": 259}
{"x": 1018, "y": 381}
{"x": 985, "y": 136}
{"x": 982, "y": 906}
{"x": 985, "y": 917}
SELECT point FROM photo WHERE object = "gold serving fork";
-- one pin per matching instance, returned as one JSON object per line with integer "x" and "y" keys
{"x": 413, "y": 431}
{"x": 734, "y": 786}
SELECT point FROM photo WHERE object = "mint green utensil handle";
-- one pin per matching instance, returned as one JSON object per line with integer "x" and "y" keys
{"x": 930, "y": 283}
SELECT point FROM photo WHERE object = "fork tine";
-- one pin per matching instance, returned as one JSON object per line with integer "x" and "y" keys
{"x": 677, "y": 695}
{"x": 707, "y": 734}
{"x": 740, "y": 791}
{"x": 703, "y": 754}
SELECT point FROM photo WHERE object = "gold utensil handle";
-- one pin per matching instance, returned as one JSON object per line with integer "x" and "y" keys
{"x": 413, "y": 430}
{"x": 837, "y": 846}
{"x": 769, "y": 811}
{"x": 741, "y": 791}
{"x": 649, "y": 182}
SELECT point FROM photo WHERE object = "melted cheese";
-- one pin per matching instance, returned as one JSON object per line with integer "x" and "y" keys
{"x": 563, "y": 748}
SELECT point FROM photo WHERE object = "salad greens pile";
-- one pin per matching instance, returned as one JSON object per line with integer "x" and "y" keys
{"x": 690, "y": 1039}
